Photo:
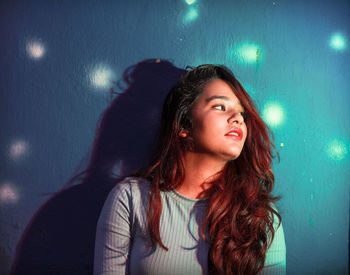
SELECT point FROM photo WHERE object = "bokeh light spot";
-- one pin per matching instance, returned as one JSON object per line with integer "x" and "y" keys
{"x": 312, "y": 196}
{"x": 337, "y": 42}
{"x": 190, "y": 2}
{"x": 101, "y": 76}
{"x": 118, "y": 168}
{"x": 35, "y": 49}
{"x": 248, "y": 53}
{"x": 8, "y": 193}
{"x": 18, "y": 149}
{"x": 191, "y": 15}
{"x": 336, "y": 150}
{"x": 273, "y": 114}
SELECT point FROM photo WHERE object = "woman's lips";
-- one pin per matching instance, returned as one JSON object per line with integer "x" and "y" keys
{"x": 235, "y": 133}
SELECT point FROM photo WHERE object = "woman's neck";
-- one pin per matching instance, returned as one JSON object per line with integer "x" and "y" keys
{"x": 199, "y": 169}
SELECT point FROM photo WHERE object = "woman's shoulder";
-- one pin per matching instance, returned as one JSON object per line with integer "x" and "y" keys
{"x": 131, "y": 187}
{"x": 129, "y": 182}
{"x": 127, "y": 200}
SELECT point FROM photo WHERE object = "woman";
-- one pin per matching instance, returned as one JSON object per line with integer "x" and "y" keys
{"x": 205, "y": 205}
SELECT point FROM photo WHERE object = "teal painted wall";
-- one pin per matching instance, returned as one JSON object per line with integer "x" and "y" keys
{"x": 58, "y": 60}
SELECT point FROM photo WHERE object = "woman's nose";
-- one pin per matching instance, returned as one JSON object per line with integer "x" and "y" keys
{"x": 236, "y": 117}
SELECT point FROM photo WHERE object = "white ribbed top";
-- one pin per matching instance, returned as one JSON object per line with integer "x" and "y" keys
{"x": 123, "y": 247}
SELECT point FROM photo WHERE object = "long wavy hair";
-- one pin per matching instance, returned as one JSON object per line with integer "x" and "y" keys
{"x": 240, "y": 213}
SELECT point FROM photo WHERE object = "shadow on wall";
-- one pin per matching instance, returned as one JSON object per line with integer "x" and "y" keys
{"x": 60, "y": 237}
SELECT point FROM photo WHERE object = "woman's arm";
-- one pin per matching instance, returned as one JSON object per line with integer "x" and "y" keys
{"x": 113, "y": 235}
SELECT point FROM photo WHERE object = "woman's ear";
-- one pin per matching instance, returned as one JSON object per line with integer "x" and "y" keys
{"x": 183, "y": 133}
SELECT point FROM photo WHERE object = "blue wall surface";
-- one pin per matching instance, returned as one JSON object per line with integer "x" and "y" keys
{"x": 59, "y": 60}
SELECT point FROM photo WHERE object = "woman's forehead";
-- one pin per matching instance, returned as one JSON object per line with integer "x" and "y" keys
{"x": 218, "y": 89}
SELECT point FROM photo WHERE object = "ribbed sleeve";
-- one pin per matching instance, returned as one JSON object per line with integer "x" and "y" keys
{"x": 113, "y": 235}
{"x": 275, "y": 261}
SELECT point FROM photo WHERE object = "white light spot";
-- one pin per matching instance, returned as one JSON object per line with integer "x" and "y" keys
{"x": 337, "y": 42}
{"x": 190, "y": 2}
{"x": 336, "y": 150}
{"x": 246, "y": 52}
{"x": 273, "y": 114}
{"x": 8, "y": 193}
{"x": 191, "y": 15}
{"x": 35, "y": 49}
{"x": 18, "y": 149}
{"x": 101, "y": 76}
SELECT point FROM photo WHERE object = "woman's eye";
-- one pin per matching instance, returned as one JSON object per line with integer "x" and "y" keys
{"x": 219, "y": 107}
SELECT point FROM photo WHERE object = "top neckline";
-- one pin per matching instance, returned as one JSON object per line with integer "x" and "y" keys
{"x": 181, "y": 198}
{"x": 175, "y": 195}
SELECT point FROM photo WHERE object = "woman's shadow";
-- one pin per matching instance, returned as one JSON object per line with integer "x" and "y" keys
{"x": 60, "y": 237}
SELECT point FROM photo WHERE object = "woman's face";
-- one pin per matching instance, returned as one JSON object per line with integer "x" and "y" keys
{"x": 218, "y": 127}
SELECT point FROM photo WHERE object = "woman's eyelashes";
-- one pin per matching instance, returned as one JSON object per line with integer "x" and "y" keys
{"x": 220, "y": 107}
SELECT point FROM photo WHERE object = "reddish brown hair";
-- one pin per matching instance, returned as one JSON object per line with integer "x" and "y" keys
{"x": 239, "y": 218}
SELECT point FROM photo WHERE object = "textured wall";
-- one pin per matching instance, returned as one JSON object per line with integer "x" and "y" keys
{"x": 59, "y": 58}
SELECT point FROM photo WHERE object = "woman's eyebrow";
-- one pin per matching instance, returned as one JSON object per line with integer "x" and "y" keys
{"x": 217, "y": 97}
{"x": 221, "y": 97}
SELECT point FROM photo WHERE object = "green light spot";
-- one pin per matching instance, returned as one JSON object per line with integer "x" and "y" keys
{"x": 312, "y": 196}
{"x": 336, "y": 150}
{"x": 190, "y": 2}
{"x": 338, "y": 42}
{"x": 248, "y": 53}
{"x": 190, "y": 15}
{"x": 273, "y": 114}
